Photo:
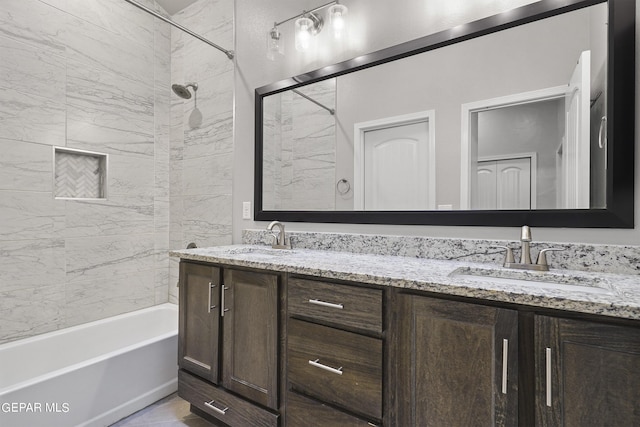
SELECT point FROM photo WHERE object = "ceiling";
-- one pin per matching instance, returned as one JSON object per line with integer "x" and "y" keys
{"x": 174, "y": 6}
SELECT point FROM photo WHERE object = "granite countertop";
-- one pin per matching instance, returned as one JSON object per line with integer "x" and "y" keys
{"x": 615, "y": 295}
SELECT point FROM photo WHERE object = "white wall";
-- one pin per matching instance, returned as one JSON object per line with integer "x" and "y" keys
{"x": 374, "y": 25}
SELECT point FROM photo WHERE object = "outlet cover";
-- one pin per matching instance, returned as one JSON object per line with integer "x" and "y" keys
{"x": 246, "y": 210}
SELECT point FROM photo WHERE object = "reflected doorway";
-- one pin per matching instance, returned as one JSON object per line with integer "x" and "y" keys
{"x": 394, "y": 163}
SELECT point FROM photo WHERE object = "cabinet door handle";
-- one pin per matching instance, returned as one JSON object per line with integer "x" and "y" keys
{"x": 326, "y": 304}
{"x": 505, "y": 362}
{"x": 548, "y": 374}
{"x": 218, "y": 410}
{"x": 211, "y": 306}
{"x": 325, "y": 367}
{"x": 224, "y": 288}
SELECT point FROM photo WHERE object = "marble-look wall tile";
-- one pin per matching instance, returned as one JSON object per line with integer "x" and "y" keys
{"x": 25, "y": 166}
{"x": 117, "y": 17}
{"x": 119, "y": 215}
{"x": 95, "y": 257}
{"x": 207, "y": 175}
{"x": 93, "y": 85}
{"x": 27, "y": 264}
{"x": 98, "y": 77}
{"x": 30, "y": 215}
{"x": 32, "y": 311}
{"x": 130, "y": 175}
{"x": 207, "y": 16}
{"x": 208, "y": 222}
{"x": 109, "y": 112}
{"x": 109, "y": 295}
{"x": 215, "y": 136}
{"x": 33, "y": 22}
{"x": 32, "y": 69}
{"x": 28, "y": 117}
{"x": 93, "y": 45}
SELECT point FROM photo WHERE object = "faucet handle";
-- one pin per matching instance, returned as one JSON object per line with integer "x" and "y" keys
{"x": 542, "y": 255}
{"x": 508, "y": 256}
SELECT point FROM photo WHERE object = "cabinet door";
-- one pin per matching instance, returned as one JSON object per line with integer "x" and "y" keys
{"x": 250, "y": 330}
{"x": 587, "y": 373}
{"x": 199, "y": 320}
{"x": 457, "y": 364}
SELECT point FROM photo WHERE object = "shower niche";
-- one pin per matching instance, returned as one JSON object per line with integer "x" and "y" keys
{"x": 79, "y": 174}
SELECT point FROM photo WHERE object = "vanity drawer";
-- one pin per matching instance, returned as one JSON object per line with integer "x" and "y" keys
{"x": 302, "y": 411}
{"x": 222, "y": 405}
{"x": 336, "y": 366}
{"x": 348, "y": 306}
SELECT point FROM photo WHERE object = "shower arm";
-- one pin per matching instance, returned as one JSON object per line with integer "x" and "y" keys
{"x": 230, "y": 54}
{"x": 330, "y": 110}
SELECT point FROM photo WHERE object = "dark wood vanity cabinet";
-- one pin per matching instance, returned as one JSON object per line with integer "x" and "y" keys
{"x": 587, "y": 373}
{"x": 456, "y": 363}
{"x": 228, "y": 343}
{"x": 199, "y": 322}
{"x": 353, "y": 355}
{"x": 461, "y": 364}
{"x": 334, "y": 354}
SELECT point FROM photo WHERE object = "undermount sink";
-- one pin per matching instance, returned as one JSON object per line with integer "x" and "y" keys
{"x": 533, "y": 279}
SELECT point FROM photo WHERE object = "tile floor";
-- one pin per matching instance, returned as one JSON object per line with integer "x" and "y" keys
{"x": 171, "y": 411}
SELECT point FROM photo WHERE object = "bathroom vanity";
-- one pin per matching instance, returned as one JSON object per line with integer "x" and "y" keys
{"x": 310, "y": 337}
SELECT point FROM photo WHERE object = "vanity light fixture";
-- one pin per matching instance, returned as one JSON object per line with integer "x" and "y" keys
{"x": 337, "y": 15}
{"x": 305, "y": 28}
{"x": 274, "y": 43}
{"x": 307, "y": 24}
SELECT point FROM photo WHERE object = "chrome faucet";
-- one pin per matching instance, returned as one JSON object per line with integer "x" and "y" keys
{"x": 525, "y": 254}
{"x": 280, "y": 240}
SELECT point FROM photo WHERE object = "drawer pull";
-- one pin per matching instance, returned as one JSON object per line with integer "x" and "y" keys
{"x": 218, "y": 410}
{"x": 326, "y": 304}
{"x": 325, "y": 367}
{"x": 548, "y": 375}
{"x": 505, "y": 358}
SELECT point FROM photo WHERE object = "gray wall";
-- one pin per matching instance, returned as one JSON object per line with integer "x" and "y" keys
{"x": 374, "y": 25}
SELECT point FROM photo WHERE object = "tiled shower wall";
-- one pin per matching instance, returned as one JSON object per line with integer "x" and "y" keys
{"x": 201, "y": 131}
{"x": 300, "y": 149}
{"x": 89, "y": 75}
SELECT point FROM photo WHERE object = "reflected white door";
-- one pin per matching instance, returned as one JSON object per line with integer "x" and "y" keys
{"x": 396, "y": 168}
{"x": 574, "y": 173}
{"x": 504, "y": 184}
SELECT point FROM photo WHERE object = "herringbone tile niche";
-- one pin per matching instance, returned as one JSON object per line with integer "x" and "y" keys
{"x": 79, "y": 174}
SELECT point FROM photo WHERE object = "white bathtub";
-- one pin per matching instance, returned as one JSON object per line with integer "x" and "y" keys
{"x": 92, "y": 374}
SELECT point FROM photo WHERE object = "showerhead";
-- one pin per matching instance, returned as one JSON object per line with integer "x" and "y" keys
{"x": 182, "y": 90}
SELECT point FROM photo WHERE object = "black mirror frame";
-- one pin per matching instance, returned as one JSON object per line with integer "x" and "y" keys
{"x": 619, "y": 212}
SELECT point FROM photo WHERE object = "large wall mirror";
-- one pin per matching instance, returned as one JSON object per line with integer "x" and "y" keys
{"x": 526, "y": 117}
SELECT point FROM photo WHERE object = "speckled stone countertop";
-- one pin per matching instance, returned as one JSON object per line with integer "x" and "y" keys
{"x": 616, "y": 295}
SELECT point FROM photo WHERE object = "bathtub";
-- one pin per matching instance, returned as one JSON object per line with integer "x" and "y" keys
{"x": 92, "y": 374}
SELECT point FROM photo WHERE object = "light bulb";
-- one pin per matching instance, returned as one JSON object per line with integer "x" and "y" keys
{"x": 337, "y": 15}
{"x": 274, "y": 44}
{"x": 303, "y": 33}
